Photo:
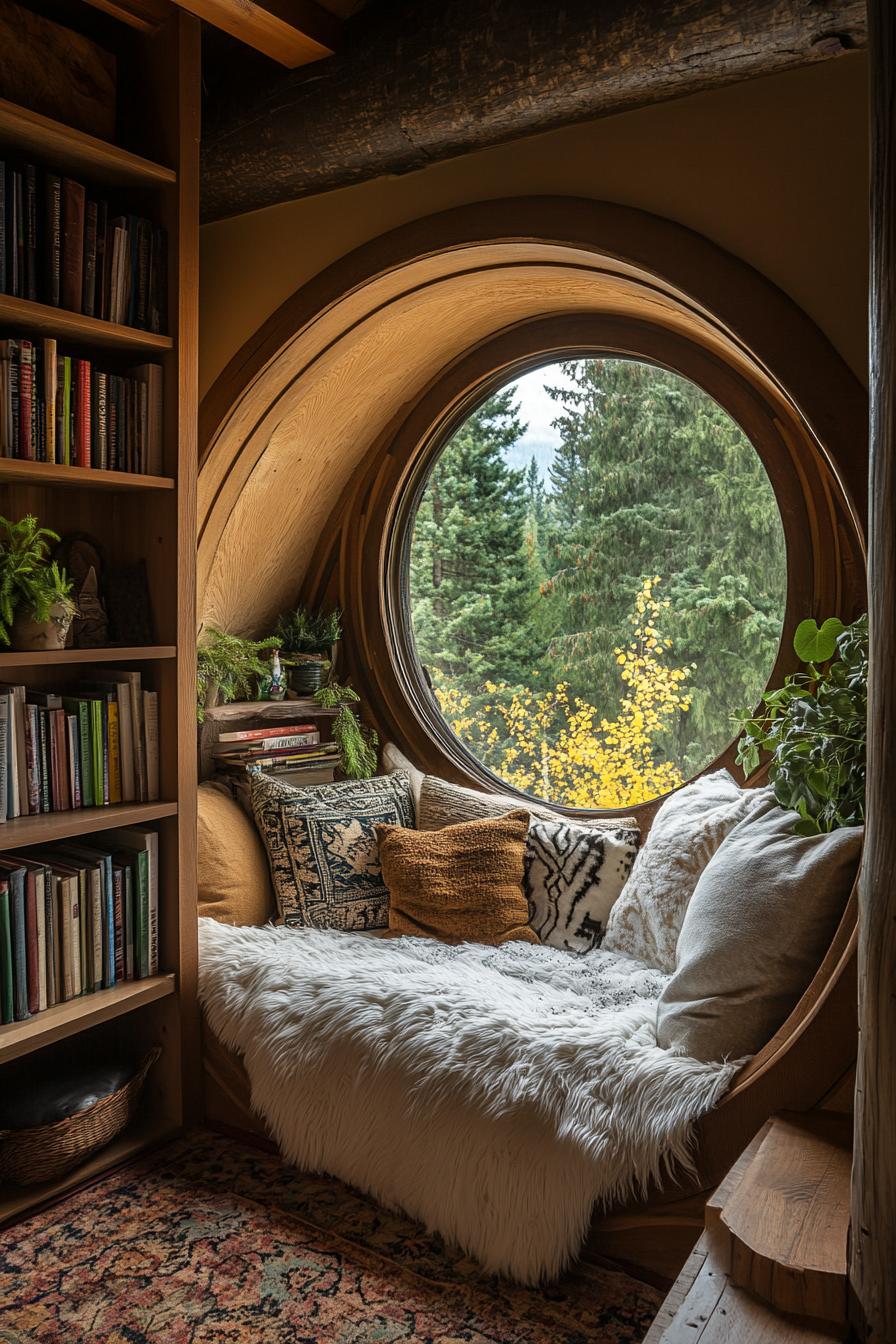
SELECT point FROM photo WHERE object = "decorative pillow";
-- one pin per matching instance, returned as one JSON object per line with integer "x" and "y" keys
{"x": 322, "y": 849}
{"x": 443, "y": 804}
{"x": 573, "y": 876}
{"x": 759, "y": 923}
{"x": 234, "y": 882}
{"x": 391, "y": 759}
{"x": 462, "y": 884}
{"x": 686, "y": 832}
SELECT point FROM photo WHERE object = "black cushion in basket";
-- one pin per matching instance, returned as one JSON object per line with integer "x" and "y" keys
{"x": 35, "y": 1101}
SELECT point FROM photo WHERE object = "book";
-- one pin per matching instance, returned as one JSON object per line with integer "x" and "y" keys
{"x": 74, "y": 205}
{"x": 15, "y": 876}
{"x": 151, "y": 734}
{"x": 7, "y": 971}
{"x": 6, "y": 772}
{"x": 50, "y": 363}
{"x": 82, "y": 445}
{"x": 299, "y": 732}
{"x": 143, "y": 841}
{"x": 53, "y": 225}
{"x": 31, "y": 242}
{"x": 88, "y": 296}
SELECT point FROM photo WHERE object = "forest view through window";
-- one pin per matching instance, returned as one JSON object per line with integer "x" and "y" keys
{"x": 597, "y": 581}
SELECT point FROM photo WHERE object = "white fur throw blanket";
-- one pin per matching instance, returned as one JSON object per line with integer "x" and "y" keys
{"x": 496, "y": 1094}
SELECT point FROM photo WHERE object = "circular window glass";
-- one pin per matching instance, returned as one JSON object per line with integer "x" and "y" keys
{"x": 596, "y": 581}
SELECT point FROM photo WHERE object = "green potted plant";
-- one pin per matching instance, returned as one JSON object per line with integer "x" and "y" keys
{"x": 814, "y": 728}
{"x": 306, "y": 641}
{"x": 36, "y": 606}
{"x": 227, "y": 667}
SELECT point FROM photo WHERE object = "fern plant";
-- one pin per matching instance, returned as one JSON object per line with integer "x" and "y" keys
{"x": 356, "y": 742}
{"x": 226, "y": 667}
{"x": 28, "y": 578}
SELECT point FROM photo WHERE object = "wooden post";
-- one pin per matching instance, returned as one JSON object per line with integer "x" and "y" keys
{"x": 873, "y": 1230}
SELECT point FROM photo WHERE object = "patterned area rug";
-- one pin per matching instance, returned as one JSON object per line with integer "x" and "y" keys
{"x": 211, "y": 1242}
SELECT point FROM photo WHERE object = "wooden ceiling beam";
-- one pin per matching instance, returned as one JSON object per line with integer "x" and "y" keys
{"x": 416, "y": 83}
{"x": 291, "y": 32}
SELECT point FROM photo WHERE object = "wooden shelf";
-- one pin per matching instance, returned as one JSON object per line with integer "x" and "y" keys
{"x": 64, "y": 148}
{"x": 16, "y": 1200}
{"x": 50, "y": 826}
{"x": 12, "y": 469}
{"x": 65, "y": 1019}
{"x": 45, "y": 320}
{"x": 64, "y": 657}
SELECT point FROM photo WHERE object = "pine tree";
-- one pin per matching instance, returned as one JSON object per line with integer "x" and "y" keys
{"x": 654, "y": 478}
{"x": 471, "y": 588}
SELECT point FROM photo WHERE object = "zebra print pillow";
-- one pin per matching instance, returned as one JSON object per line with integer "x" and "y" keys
{"x": 573, "y": 876}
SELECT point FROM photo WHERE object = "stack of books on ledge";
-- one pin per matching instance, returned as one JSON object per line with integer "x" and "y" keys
{"x": 75, "y": 918}
{"x": 94, "y": 745}
{"x": 64, "y": 247}
{"x": 291, "y": 751}
{"x": 62, "y": 409}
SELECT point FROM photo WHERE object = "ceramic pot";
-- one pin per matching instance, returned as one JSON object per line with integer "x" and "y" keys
{"x": 30, "y": 636}
{"x": 305, "y": 678}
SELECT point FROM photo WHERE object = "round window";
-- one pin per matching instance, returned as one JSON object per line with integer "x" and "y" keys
{"x": 596, "y": 581}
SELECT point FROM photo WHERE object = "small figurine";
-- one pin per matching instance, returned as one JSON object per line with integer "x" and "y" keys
{"x": 277, "y": 688}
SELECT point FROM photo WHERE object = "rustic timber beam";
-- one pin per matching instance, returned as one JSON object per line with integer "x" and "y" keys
{"x": 415, "y": 83}
{"x": 873, "y": 1229}
{"x": 291, "y": 32}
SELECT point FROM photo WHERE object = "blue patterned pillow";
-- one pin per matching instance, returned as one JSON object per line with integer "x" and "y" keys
{"x": 322, "y": 847}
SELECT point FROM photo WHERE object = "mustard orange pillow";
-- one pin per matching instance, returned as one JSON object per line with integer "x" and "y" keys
{"x": 462, "y": 884}
{"x": 234, "y": 878}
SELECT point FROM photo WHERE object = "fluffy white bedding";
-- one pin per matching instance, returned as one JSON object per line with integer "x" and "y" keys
{"x": 497, "y": 1094}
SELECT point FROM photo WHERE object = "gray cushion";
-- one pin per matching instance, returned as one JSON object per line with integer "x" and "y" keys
{"x": 443, "y": 804}
{"x": 759, "y": 922}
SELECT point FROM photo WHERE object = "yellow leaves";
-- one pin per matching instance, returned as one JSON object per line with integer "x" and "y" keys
{"x": 543, "y": 744}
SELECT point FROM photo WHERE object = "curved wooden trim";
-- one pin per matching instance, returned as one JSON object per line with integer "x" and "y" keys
{"x": 730, "y": 292}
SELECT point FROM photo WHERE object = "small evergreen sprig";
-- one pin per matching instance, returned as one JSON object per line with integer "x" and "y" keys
{"x": 226, "y": 666}
{"x": 357, "y": 743}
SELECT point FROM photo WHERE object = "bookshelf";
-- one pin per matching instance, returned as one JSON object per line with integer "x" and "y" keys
{"x": 152, "y": 168}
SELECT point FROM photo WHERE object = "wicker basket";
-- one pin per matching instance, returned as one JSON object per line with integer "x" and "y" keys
{"x": 31, "y": 1156}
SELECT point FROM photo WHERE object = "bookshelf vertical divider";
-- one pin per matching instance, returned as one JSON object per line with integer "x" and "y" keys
{"x": 133, "y": 518}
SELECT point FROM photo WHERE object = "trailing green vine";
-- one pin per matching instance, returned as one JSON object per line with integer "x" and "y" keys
{"x": 357, "y": 743}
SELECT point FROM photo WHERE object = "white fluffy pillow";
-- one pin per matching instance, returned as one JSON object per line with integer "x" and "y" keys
{"x": 573, "y": 876}
{"x": 688, "y": 828}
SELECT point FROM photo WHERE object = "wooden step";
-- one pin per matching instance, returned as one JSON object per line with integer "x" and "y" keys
{"x": 788, "y": 1220}
{"x": 767, "y": 1203}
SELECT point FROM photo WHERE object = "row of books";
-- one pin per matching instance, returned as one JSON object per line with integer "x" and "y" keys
{"x": 288, "y": 749}
{"x": 95, "y": 745}
{"x": 75, "y": 918}
{"x": 62, "y": 409}
{"x": 63, "y": 247}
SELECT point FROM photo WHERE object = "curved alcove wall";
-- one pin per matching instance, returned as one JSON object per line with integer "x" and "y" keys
{"x": 313, "y": 428}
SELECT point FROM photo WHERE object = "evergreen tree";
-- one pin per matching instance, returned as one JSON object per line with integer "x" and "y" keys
{"x": 653, "y": 477}
{"x": 472, "y": 591}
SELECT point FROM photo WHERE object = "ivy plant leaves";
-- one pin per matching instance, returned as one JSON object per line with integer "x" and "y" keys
{"x": 816, "y": 644}
{"x": 814, "y": 729}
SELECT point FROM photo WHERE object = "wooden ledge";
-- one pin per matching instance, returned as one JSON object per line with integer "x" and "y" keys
{"x": 770, "y": 1267}
{"x": 788, "y": 1220}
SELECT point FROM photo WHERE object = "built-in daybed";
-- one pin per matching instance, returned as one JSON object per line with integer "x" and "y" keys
{"x": 807, "y": 1063}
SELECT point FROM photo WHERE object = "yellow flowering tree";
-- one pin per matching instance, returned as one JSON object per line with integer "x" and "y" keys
{"x": 558, "y": 747}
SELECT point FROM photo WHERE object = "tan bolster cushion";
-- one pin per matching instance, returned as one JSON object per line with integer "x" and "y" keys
{"x": 234, "y": 878}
